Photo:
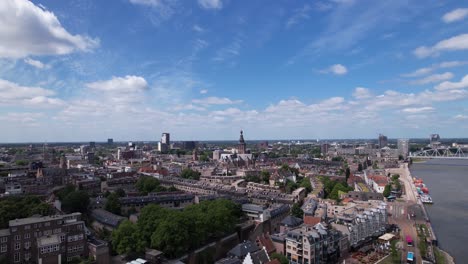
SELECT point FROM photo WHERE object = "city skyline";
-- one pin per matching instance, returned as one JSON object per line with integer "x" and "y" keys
{"x": 205, "y": 69}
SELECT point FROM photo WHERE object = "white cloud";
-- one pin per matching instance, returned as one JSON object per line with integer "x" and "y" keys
{"x": 159, "y": 10}
{"x": 230, "y": 51}
{"x": 455, "y": 15}
{"x": 434, "y": 78}
{"x": 460, "y": 117}
{"x": 13, "y": 94}
{"x": 362, "y": 93}
{"x": 23, "y": 117}
{"x": 210, "y": 4}
{"x": 299, "y": 14}
{"x": 418, "y": 110}
{"x": 27, "y": 30}
{"x": 129, "y": 83}
{"x": 442, "y": 65}
{"x": 203, "y": 91}
{"x": 216, "y": 101}
{"x": 198, "y": 28}
{"x": 459, "y": 42}
{"x": 463, "y": 83}
{"x": 336, "y": 69}
{"x": 36, "y": 63}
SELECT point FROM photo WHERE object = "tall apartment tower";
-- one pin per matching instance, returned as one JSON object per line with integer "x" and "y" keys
{"x": 403, "y": 147}
{"x": 383, "y": 141}
{"x": 241, "y": 147}
{"x": 166, "y": 138}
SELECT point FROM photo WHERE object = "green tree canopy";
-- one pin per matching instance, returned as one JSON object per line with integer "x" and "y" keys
{"x": 146, "y": 184}
{"x": 297, "y": 211}
{"x": 188, "y": 173}
{"x": 387, "y": 190}
{"x": 120, "y": 192}
{"x": 76, "y": 201}
{"x": 125, "y": 239}
{"x": 21, "y": 207}
{"x": 282, "y": 258}
{"x": 113, "y": 204}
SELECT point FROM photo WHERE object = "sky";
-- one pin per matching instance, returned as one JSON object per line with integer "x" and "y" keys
{"x": 86, "y": 70}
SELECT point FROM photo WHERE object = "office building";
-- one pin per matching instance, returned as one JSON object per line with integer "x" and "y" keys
{"x": 324, "y": 149}
{"x": 92, "y": 144}
{"x": 403, "y": 147}
{"x": 110, "y": 141}
{"x": 434, "y": 140}
{"x": 383, "y": 141}
{"x": 166, "y": 138}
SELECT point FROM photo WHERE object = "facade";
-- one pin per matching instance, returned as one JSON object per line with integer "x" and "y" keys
{"x": 324, "y": 148}
{"x": 314, "y": 245}
{"x": 403, "y": 147}
{"x": 383, "y": 141}
{"x": 49, "y": 239}
{"x": 362, "y": 221}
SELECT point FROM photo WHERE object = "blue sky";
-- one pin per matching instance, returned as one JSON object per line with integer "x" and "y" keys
{"x": 204, "y": 69}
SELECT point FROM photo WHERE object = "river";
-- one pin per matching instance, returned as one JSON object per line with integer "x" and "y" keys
{"x": 447, "y": 181}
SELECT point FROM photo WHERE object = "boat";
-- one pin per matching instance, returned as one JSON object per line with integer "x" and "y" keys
{"x": 426, "y": 199}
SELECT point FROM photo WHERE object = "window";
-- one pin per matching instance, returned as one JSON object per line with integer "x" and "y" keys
{"x": 26, "y": 227}
{"x": 4, "y": 239}
{"x": 27, "y": 245}
{"x": 62, "y": 238}
{"x": 79, "y": 227}
{"x": 27, "y": 256}
{"x": 57, "y": 230}
{"x": 13, "y": 229}
{"x": 3, "y": 248}
{"x": 17, "y": 237}
{"x": 27, "y": 236}
{"x": 17, "y": 245}
{"x": 47, "y": 224}
{"x": 17, "y": 257}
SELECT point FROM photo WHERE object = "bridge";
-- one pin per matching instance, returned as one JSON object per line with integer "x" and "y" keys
{"x": 441, "y": 153}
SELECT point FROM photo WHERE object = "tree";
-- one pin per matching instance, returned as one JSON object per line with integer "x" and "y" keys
{"x": 265, "y": 175}
{"x": 21, "y": 207}
{"x": 360, "y": 167}
{"x": 188, "y": 173}
{"x": 21, "y": 163}
{"x": 297, "y": 211}
{"x": 282, "y": 259}
{"x": 387, "y": 190}
{"x": 306, "y": 184}
{"x": 125, "y": 239}
{"x": 347, "y": 173}
{"x": 113, "y": 204}
{"x": 375, "y": 165}
{"x": 76, "y": 201}
{"x": 395, "y": 177}
{"x": 172, "y": 235}
{"x": 65, "y": 191}
{"x": 147, "y": 184}
{"x": 120, "y": 192}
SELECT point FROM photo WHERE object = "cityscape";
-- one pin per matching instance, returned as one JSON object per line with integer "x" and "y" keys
{"x": 233, "y": 132}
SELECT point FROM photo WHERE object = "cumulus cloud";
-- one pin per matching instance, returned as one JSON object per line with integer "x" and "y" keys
{"x": 434, "y": 78}
{"x": 433, "y": 67}
{"x": 463, "y": 83}
{"x": 13, "y": 94}
{"x": 203, "y": 91}
{"x": 198, "y": 28}
{"x": 362, "y": 93}
{"x": 336, "y": 69}
{"x": 212, "y": 100}
{"x": 210, "y": 4}
{"x": 455, "y": 43}
{"x": 418, "y": 110}
{"x": 36, "y": 63}
{"x": 129, "y": 83}
{"x": 455, "y": 15}
{"x": 28, "y": 30}
{"x": 460, "y": 117}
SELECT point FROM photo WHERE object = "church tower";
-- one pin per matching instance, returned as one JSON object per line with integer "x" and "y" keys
{"x": 241, "y": 147}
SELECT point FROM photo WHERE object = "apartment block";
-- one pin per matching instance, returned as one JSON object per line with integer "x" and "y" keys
{"x": 48, "y": 239}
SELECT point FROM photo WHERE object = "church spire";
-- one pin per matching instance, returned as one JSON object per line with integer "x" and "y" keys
{"x": 241, "y": 138}
{"x": 241, "y": 148}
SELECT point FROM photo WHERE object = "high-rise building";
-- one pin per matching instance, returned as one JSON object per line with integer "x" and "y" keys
{"x": 403, "y": 147}
{"x": 324, "y": 148}
{"x": 166, "y": 138}
{"x": 383, "y": 141}
{"x": 434, "y": 139}
{"x": 241, "y": 147}
{"x": 110, "y": 141}
{"x": 92, "y": 144}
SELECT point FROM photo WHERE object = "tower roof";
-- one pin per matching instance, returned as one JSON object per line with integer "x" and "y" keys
{"x": 241, "y": 138}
